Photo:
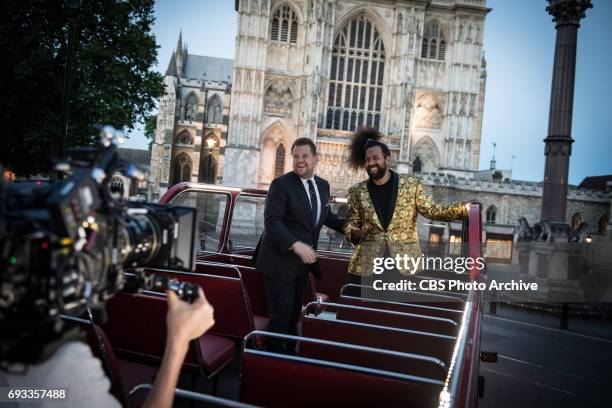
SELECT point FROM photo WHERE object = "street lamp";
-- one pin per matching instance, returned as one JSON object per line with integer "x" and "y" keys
{"x": 211, "y": 142}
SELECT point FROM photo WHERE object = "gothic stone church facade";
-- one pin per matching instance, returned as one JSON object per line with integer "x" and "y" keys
{"x": 320, "y": 69}
{"x": 414, "y": 69}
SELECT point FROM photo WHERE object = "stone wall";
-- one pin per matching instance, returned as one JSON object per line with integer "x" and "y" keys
{"x": 515, "y": 199}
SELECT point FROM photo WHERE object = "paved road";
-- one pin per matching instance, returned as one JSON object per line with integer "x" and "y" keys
{"x": 542, "y": 366}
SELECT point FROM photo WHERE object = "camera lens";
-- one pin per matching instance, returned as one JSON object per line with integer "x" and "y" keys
{"x": 142, "y": 240}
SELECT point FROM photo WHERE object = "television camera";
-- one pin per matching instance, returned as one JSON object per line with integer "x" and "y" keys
{"x": 65, "y": 246}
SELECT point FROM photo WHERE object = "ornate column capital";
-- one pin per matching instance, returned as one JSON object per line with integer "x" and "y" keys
{"x": 568, "y": 11}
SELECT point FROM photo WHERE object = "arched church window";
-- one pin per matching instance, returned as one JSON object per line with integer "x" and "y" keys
{"x": 356, "y": 76}
{"x": 274, "y": 30}
{"x": 491, "y": 214}
{"x": 424, "y": 48}
{"x": 279, "y": 161}
{"x": 184, "y": 138}
{"x": 214, "y": 113}
{"x": 576, "y": 221}
{"x": 417, "y": 165}
{"x": 284, "y": 26}
{"x": 434, "y": 42}
{"x": 208, "y": 169}
{"x": 182, "y": 169}
{"x": 603, "y": 224}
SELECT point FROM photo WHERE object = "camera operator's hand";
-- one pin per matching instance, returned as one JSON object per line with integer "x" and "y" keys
{"x": 186, "y": 321}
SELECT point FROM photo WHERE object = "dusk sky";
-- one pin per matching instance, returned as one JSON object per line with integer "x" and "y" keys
{"x": 519, "y": 46}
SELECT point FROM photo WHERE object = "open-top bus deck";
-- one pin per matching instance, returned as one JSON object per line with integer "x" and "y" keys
{"x": 421, "y": 350}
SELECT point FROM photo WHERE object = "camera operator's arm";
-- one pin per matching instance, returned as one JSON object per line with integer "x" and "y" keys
{"x": 184, "y": 322}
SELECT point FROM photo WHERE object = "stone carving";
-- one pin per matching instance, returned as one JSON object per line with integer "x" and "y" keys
{"x": 278, "y": 99}
{"x": 542, "y": 232}
{"x": 184, "y": 138}
{"x": 412, "y": 25}
{"x": 459, "y": 156}
{"x": 472, "y": 104}
{"x": 545, "y": 231}
{"x": 407, "y": 91}
{"x": 303, "y": 87}
{"x": 428, "y": 155}
{"x": 568, "y": 11}
{"x": 247, "y": 81}
{"x": 256, "y": 84}
{"x": 316, "y": 82}
{"x": 428, "y": 113}
{"x": 214, "y": 113}
{"x": 191, "y": 111}
{"x": 167, "y": 151}
{"x": 525, "y": 232}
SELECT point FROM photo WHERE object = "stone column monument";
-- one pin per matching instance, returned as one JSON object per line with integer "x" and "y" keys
{"x": 551, "y": 260}
{"x": 567, "y": 15}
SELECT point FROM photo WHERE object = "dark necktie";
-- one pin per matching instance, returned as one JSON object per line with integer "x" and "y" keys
{"x": 314, "y": 205}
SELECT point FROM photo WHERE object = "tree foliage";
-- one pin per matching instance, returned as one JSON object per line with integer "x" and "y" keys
{"x": 150, "y": 126}
{"x": 112, "y": 80}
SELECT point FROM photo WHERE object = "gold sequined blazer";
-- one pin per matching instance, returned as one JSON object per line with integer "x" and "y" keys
{"x": 401, "y": 233}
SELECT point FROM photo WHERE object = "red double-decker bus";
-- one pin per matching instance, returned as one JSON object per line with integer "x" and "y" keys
{"x": 419, "y": 351}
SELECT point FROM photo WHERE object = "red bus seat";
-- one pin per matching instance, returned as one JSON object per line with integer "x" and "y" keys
{"x": 454, "y": 301}
{"x": 101, "y": 348}
{"x": 227, "y": 294}
{"x": 140, "y": 391}
{"x": 426, "y": 309}
{"x": 277, "y": 380}
{"x": 254, "y": 284}
{"x": 136, "y": 328}
{"x": 393, "y": 318}
{"x": 252, "y": 280}
{"x": 377, "y": 336}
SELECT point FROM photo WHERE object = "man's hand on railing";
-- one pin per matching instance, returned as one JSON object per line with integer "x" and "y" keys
{"x": 468, "y": 204}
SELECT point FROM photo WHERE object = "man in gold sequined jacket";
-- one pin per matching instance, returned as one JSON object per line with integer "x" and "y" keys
{"x": 382, "y": 211}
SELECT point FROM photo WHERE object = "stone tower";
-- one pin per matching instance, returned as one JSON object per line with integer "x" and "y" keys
{"x": 414, "y": 69}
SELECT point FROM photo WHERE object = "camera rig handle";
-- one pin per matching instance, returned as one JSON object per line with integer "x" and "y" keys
{"x": 139, "y": 281}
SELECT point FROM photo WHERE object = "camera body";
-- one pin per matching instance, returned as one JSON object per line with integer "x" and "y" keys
{"x": 64, "y": 246}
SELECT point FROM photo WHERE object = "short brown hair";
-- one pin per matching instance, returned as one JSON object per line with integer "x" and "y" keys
{"x": 303, "y": 141}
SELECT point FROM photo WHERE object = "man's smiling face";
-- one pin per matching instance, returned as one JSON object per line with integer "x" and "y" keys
{"x": 304, "y": 161}
{"x": 376, "y": 163}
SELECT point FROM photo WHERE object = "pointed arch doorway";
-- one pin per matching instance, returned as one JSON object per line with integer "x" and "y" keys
{"x": 275, "y": 157}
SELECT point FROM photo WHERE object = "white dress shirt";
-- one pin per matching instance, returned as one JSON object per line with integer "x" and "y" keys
{"x": 305, "y": 183}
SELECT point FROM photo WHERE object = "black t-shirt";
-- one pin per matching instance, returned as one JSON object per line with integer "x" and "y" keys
{"x": 381, "y": 195}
